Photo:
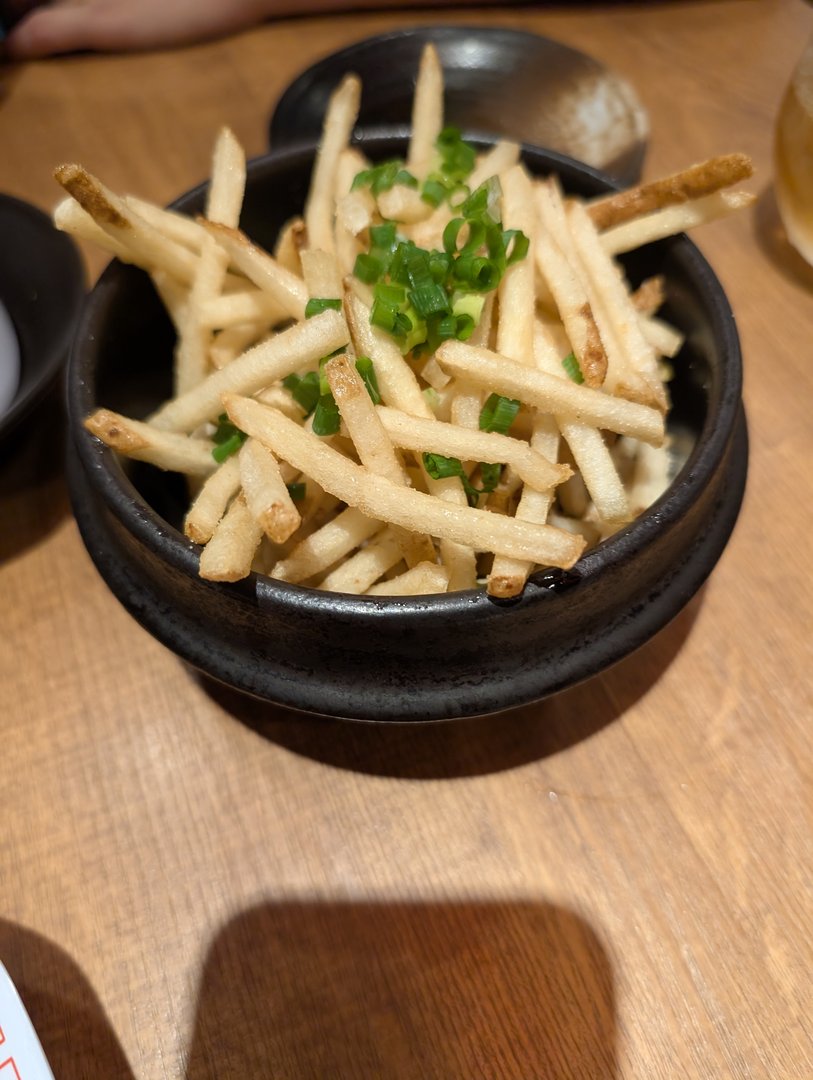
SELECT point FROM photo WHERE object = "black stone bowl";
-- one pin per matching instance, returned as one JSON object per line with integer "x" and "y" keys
{"x": 41, "y": 287}
{"x": 402, "y": 659}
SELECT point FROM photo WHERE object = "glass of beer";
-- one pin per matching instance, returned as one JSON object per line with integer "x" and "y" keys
{"x": 793, "y": 157}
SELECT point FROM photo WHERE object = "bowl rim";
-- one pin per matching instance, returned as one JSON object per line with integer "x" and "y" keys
{"x": 64, "y": 263}
{"x": 138, "y": 516}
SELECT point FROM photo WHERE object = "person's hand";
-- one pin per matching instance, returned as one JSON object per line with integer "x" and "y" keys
{"x": 124, "y": 25}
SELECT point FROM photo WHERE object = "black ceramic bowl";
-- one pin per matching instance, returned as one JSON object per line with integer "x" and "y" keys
{"x": 399, "y": 659}
{"x": 41, "y": 289}
{"x": 498, "y": 81}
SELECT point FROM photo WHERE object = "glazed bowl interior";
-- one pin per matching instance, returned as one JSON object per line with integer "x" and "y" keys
{"x": 406, "y": 658}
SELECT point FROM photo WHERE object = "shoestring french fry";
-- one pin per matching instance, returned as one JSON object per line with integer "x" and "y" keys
{"x": 320, "y": 204}
{"x": 142, "y": 442}
{"x": 441, "y": 378}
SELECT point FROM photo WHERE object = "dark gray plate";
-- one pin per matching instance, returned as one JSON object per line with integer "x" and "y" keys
{"x": 498, "y": 81}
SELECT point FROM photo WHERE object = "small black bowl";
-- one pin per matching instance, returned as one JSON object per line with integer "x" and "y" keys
{"x": 411, "y": 658}
{"x": 42, "y": 283}
{"x": 498, "y": 81}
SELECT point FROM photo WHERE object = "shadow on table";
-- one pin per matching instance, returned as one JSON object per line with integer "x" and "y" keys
{"x": 33, "y": 493}
{"x": 68, "y": 1017}
{"x": 773, "y": 240}
{"x": 303, "y": 991}
{"x": 470, "y": 747}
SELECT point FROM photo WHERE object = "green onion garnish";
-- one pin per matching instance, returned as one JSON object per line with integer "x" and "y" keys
{"x": 368, "y": 268}
{"x": 384, "y": 176}
{"x": 364, "y": 366}
{"x": 227, "y": 438}
{"x": 304, "y": 390}
{"x": 316, "y": 305}
{"x": 296, "y": 490}
{"x": 571, "y": 366}
{"x": 498, "y": 413}
{"x": 326, "y": 420}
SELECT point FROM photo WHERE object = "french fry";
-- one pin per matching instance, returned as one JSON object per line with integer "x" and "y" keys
{"x": 372, "y": 443}
{"x": 146, "y": 245}
{"x": 164, "y": 449}
{"x": 396, "y": 380}
{"x": 230, "y": 553}
{"x": 326, "y": 546}
{"x": 228, "y": 183}
{"x": 434, "y": 436}
{"x": 261, "y": 268}
{"x": 366, "y": 566}
{"x": 212, "y": 500}
{"x": 670, "y": 220}
{"x": 290, "y": 243}
{"x": 420, "y": 580}
{"x": 267, "y": 362}
{"x": 617, "y": 307}
{"x": 693, "y": 183}
{"x": 550, "y": 394}
{"x": 427, "y": 114}
{"x": 338, "y": 126}
{"x": 564, "y": 281}
{"x": 248, "y": 306}
{"x": 380, "y": 498}
{"x": 266, "y": 493}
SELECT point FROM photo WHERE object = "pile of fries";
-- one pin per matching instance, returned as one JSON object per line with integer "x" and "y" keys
{"x": 440, "y": 379}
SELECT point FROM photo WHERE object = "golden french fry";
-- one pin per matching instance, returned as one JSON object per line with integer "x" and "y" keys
{"x": 693, "y": 183}
{"x": 266, "y": 493}
{"x": 287, "y": 289}
{"x": 550, "y": 394}
{"x": 229, "y": 555}
{"x": 326, "y": 546}
{"x": 380, "y": 498}
{"x": 338, "y": 126}
{"x": 396, "y": 380}
{"x": 563, "y": 277}
{"x": 225, "y": 197}
{"x": 146, "y": 245}
{"x": 674, "y": 219}
{"x": 266, "y": 363}
{"x": 212, "y": 500}
{"x": 164, "y": 449}
{"x": 427, "y": 114}
{"x": 420, "y": 580}
{"x": 434, "y": 436}
{"x": 247, "y": 306}
{"x": 363, "y": 569}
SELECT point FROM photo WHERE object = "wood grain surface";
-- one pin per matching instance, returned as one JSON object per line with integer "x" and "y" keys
{"x": 614, "y": 883}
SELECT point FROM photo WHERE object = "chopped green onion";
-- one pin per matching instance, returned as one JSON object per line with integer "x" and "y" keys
{"x": 364, "y": 366}
{"x": 571, "y": 366}
{"x": 316, "y": 305}
{"x": 490, "y": 475}
{"x": 440, "y": 467}
{"x": 326, "y": 419}
{"x": 296, "y": 490}
{"x": 383, "y": 236}
{"x": 519, "y": 248}
{"x": 429, "y": 299}
{"x": 498, "y": 413}
{"x": 227, "y": 438}
{"x": 368, "y": 268}
{"x": 384, "y": 176}
{"x": 433, "y": 192}
{"x": 228, "y": 447}
{"x": 304, "y": 390}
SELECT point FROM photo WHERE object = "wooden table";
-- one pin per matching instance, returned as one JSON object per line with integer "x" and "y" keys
{"x": 616, "y": 882}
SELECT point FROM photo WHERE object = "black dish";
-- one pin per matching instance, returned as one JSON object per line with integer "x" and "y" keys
{"x": 41, "y": 287}
{"x": 399, "y": 659}
{"x": 499, "y": 81}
